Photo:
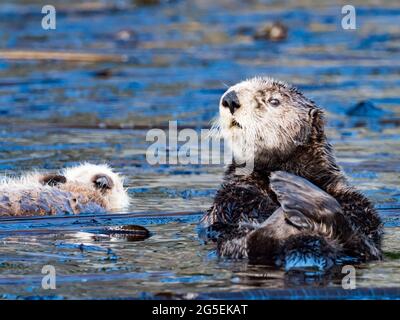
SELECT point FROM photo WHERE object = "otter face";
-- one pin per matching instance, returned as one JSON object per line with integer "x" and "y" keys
{"x": 103, "y": 179}
{"x": 262, "y": 117}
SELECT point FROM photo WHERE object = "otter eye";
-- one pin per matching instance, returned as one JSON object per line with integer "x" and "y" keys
{"x": 274, "y": 102}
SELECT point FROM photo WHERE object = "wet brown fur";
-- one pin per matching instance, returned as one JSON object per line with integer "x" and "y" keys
{"x": 244, "y": 203}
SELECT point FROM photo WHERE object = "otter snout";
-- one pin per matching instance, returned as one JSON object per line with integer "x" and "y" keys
{"x": 231, "y": 101}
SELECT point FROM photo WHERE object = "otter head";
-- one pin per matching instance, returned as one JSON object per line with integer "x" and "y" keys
{"x": 103, "y": 179}
{"x": 266, "y": 120}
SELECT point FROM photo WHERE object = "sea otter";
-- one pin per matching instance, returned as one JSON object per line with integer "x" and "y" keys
{"x": 85, "y": 188}
{"x": 295, "y": 208}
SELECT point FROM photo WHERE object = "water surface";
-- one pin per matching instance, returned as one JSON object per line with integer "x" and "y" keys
{"x": 180, "y": 56}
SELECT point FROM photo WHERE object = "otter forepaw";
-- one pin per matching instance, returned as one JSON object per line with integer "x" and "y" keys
{"x": 53, "y": 180}
{"x": 295, "y": 193}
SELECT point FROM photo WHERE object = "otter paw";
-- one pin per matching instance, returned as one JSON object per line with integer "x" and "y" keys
{"x": 297, "y": 194}
{"x": 53, "y": 180}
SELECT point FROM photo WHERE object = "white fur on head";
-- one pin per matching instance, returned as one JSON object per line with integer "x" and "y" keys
{"x": 117, "y": 197}
{"x": 265, "y": 129}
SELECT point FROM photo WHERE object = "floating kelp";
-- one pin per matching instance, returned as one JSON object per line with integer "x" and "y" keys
{"x": 128, "y": 232}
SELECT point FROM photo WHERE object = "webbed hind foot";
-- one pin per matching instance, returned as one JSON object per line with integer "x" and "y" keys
{"x": 297, "y": 197}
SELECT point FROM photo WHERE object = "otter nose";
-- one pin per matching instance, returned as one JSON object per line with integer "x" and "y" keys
{"x": 231, "y": 101}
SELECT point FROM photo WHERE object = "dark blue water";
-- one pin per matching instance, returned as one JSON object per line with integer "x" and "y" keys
{"x": 179, "y": 57}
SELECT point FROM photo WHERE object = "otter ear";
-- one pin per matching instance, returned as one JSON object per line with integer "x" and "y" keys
{"x": 317, "y": 121}
{"x": 102, "y": 182}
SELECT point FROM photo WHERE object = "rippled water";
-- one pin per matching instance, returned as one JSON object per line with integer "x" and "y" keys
{"x": 179, "y": 58}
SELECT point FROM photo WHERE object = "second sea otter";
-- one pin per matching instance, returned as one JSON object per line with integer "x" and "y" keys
{"x": 85, "y": 188}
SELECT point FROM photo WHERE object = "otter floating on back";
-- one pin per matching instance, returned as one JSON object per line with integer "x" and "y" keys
{"x": 296, "y": 207}
{"x": 86, "y": 188}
